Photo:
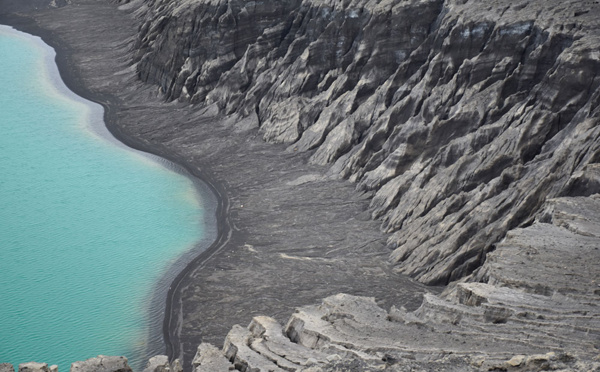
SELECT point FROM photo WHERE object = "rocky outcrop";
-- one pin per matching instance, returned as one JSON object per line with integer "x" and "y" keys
{"x": 102, "y": 363}
{"x": 460, "y": 117}
{"x": 348, "y": 333}
{"x": 531, "y": 306}
{"x": 160, "y": 363}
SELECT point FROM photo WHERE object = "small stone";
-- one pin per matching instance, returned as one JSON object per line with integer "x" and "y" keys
{"x": 209, "y": 359}
{"x": 176, "y": 366}
{"x": 333, "y": 357}
{"x": 158, "y": 363}
{"x": 516, "y": 361}
{"x": 478, "y": 361}
{"x": 540, "y": 361}
{"x": 53, "y": 368}
{"x": 33, "y": 367}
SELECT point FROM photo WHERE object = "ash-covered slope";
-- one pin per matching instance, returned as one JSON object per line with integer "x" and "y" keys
{"x": 537, "y": 309}
{"x": 461, "y": 117}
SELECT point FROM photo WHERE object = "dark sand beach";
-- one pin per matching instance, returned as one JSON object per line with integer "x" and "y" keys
{"x": 287, "y": 236}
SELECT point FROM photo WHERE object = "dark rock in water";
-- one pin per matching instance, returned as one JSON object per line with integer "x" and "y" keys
{"x": 100, "y": 363}
{"x": 31, "y": 367}
{"x": 461, "y": 118}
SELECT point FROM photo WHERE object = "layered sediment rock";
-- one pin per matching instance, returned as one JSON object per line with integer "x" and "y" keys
{"x": 532, "y": 306}
{"x": 460, "y": 117}
{"x": 160, "y": 363}
{"x": 101, "y": 363}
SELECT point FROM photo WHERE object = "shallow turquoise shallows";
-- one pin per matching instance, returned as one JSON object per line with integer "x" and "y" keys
{"x": 87, "y": 227}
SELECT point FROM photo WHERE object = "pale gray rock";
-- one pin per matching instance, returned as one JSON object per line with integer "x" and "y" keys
{"x": 238, "y": 349}
{"x": 210, "y": 359}
{"x": 270, "y": 340}
{"x": 158, "y": 363}
{"x": 6, "y": 367}
{"x": 33, "y": 367}
{"x": 176, "y": 366}
{"x": 102, "y": 363}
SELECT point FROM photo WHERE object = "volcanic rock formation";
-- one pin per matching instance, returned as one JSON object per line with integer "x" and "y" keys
{"x": 471, "y": 126}
{"x": 460, "y": 117}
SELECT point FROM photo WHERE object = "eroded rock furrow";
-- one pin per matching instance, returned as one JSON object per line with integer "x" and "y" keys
{"x": 461, "y": 119}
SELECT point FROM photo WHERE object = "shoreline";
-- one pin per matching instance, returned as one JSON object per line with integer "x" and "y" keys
{"x": 288, "y": 235}
{"x": 202, "y": 182}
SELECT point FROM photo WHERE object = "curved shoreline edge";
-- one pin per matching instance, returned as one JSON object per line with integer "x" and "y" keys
{"x": 73, "y": 82}
{"x": 289, "y": 234}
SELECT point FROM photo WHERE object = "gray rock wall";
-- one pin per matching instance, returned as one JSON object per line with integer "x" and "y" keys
{"x": 460, "y": 117}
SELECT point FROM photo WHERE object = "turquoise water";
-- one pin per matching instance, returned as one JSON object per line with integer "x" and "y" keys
{"x": 87, "y": 227}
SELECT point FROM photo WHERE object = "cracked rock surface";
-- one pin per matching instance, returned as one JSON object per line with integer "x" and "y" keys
{"x": 532, "y": 306}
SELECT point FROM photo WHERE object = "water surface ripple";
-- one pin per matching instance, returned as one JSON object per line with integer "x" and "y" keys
{"x": 88, "y": 227}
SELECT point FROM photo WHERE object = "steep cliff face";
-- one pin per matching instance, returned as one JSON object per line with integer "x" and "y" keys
{"x": 460, "y": 117}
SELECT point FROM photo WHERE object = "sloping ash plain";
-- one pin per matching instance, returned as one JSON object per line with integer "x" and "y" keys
{"x": 355, "y": 144}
